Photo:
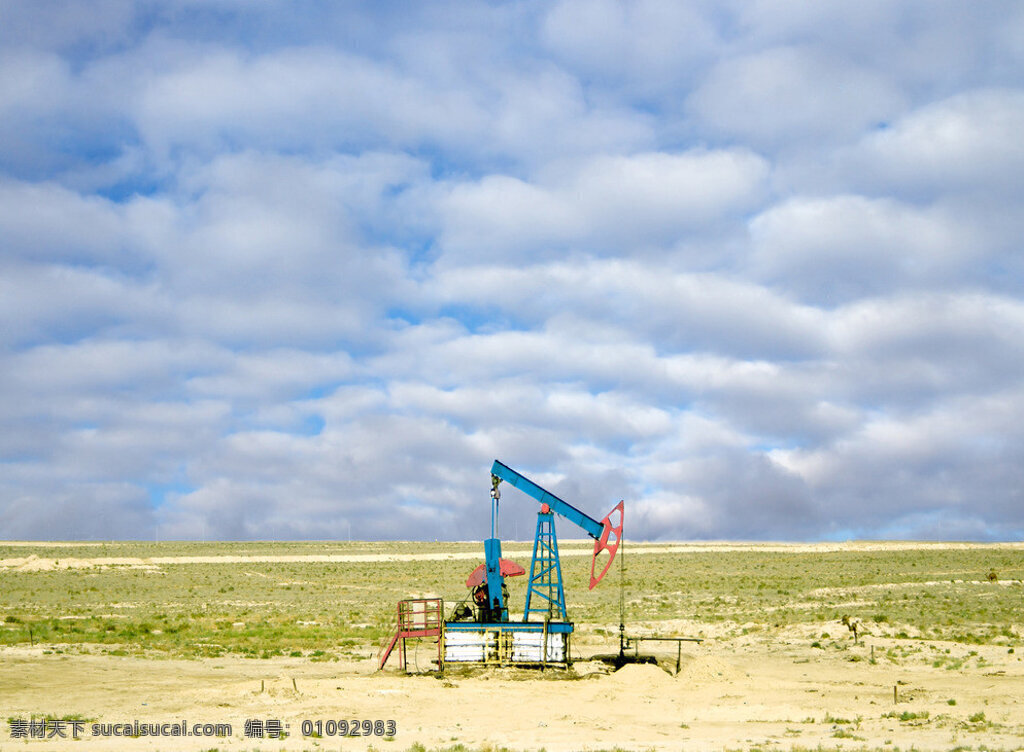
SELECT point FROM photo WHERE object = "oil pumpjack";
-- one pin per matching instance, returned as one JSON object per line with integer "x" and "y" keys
{"x": 480, "y": 630}
{"x": 484, "y": 632}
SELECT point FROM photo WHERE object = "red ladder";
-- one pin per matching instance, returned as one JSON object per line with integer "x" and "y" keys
{"x": 417, "y": 617}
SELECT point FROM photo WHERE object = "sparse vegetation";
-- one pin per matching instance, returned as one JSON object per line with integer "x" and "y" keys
{"x": 919, "y": 609}
{"x": 829, "y": 718}
{"x": 275, "y": 608}
{"x": 908, "y": 716}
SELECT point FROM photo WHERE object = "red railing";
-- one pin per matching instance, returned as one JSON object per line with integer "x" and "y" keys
{"x": 417, "y": 617}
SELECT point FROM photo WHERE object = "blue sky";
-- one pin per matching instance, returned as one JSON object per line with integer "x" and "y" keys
{"x": 277, "y": 270}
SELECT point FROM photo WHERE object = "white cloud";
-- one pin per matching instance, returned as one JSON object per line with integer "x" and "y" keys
{"x": 944, "y": 463}
{"x": 44, "y": 222}
{"x": 651, "y": 46}
{"x": 40, "y": 301}
{"x": 321, "y": 99}
{"x": 300, "y": 97}
{"x": 655, "y": 302}
{"x": 969, "y": 141}
{"x": 601, "y": 205}
{"x": 789, "y": 95}
{"x": 753, "y": 268}
{"x": 840, "y": 248}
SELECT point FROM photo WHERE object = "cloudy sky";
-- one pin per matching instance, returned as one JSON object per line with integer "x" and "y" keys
{"x": 276, "y": 270}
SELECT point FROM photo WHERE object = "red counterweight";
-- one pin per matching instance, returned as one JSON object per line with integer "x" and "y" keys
{"x": 604, "y": 544}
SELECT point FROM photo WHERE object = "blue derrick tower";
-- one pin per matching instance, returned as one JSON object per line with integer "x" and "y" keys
{"x": 545, "y": 573}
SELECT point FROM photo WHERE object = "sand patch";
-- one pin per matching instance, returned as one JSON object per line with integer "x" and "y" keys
{"x": 34, "y": 562}
{"x": 708, "y": 668}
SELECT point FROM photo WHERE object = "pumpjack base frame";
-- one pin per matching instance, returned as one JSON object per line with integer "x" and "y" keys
{"x": 522, "y": 643}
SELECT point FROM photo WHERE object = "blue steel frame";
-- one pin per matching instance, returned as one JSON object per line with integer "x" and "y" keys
{"x": 492, "y": 555}
{"x": 546, "y": 573}
{"x": 492, "y": 546}
{"x": 564, "y": 508}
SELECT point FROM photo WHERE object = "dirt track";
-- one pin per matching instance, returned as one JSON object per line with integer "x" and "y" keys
{"x": 568, "y": 548}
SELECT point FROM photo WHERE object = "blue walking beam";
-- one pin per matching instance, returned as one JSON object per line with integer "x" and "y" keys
{"x": 606, "y": 533}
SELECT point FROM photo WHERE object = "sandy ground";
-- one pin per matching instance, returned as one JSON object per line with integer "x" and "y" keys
{"x": 769, "y": 690}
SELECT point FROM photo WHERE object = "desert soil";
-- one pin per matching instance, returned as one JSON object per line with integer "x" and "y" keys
{"x": 770, "y": 688}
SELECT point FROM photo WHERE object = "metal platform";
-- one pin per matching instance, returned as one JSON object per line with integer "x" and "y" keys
{"x": 417, "y": 617}
{"x": 506, "y": 643}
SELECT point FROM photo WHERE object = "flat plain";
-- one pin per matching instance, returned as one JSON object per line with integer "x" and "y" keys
{"x": 107, "y": 633}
